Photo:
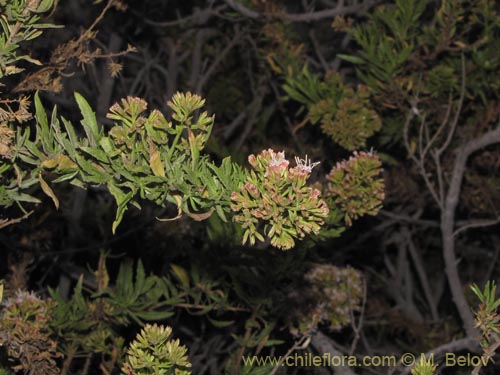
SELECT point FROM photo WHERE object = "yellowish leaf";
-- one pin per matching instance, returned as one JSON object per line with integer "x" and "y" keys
{"x": 178, "y": 200}
{"x": 65, "y": 162}
{"x": 156, "y": 164}
{"x": 50, "y": 163}
{"x": 48, "y": 190}
{"x": 201, "y": 217}
{"x": 101, "y": 274}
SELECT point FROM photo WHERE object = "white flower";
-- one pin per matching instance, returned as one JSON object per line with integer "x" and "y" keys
{"x": 305, "y": 165}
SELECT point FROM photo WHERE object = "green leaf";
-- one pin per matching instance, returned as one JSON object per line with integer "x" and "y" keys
{"x": 154, "y": 315}
{"x": 40, "y": 114}
{"x": 351, "y": 59}
{"x": 220, "y": 323}
{"x": 96, "y": 153}
{"x": 22, "y": 197}
{"x": 44, "y": 6}
{"x": 89, "y": 121}
{"x": 106, "y": 144}
{"x": 140, "y": 278}
{"x": 220, "y": 213}
{"x": 122, "y": 200}
{"x": 65, "y": 177}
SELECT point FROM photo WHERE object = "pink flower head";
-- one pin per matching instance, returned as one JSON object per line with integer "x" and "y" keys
{"x": 278, "y": 159}
{"x": 278, "y": 163}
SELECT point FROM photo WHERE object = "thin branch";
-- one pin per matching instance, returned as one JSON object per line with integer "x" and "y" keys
{"x": 303, "y": 17}
{"x": 418, "y": 162}
{"x": 357, "y": 327}
{"x": 476, "y": 224}
{"x": 243, "y": 10}
{"x": 330, "y": 13}
{"x": 317, "y": 49}
{"x": 6, "y": 222}
{"x": 220, "y": 57}
{"x": 409, "y": 219}
{"x": 422, "y": 275}
{"x": 488, "y": 355}
{"x": 301, "y": 344}
{"x": 197, "y": 17}
{"x": 457, "y": 113}
{"x": 440, "y": 129}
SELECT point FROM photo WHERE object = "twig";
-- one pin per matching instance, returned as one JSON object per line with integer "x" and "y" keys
{"x": 409, "y": 219}
{"x": 489, "y": 352}
{"x": 330, "y": 13}
{"x": 357, "y": 327}
{"x": 419, "y": 162}
{"x": 457, "y": 113}
{"x": 303, "y": 17}
{"x": 202, "y": 36}
{"x": 440, "y": 129}
{"x": 220, "y": 57}
{"x": 197, "y": 17}
{"x": 6, "y": 222}
{"x": 298, "y": 345}
{"x": 422, "y": 275}
{"x": 243, "y": 10}
{"x": 476, "y": 224}
{"x": 317, "y": 49}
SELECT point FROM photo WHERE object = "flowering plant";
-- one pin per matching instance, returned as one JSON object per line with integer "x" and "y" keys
{"x": 275, "y": 201}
